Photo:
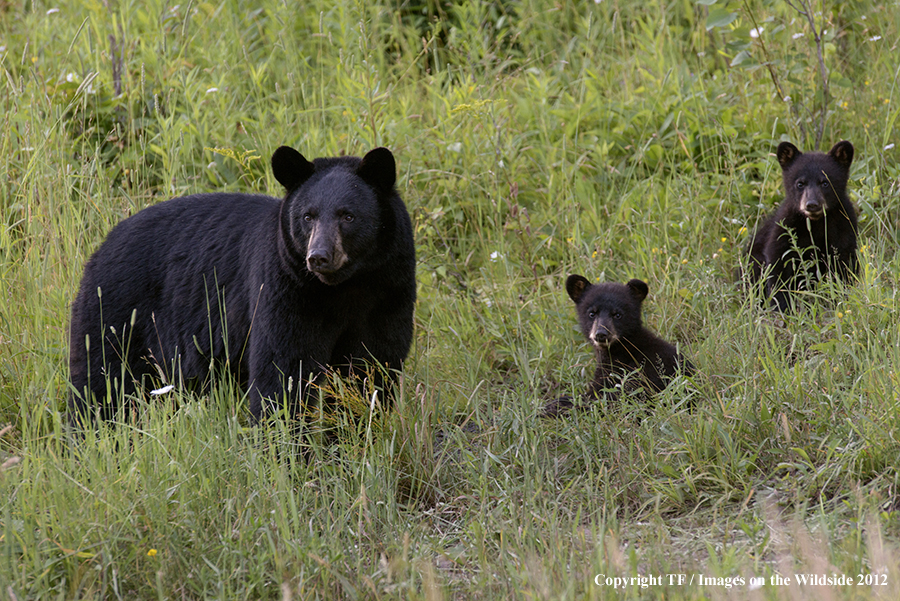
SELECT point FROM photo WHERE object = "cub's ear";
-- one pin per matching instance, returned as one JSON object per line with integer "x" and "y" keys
{"x": 576, "y": 285}
{"x": 639, "y": 289}
{"x": 290, "y": 168}
{"x": 378, "y": 169}
{"x": 787, "y": 153}
{"x": 842, "y": 152}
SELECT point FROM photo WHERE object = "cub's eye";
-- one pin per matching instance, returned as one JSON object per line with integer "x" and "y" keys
{"x": 617, "y": 315}
{"x": 592, "y": 314}
{"x": 826, "y": 184}
{"x": 801, "y": 185}
{"x": 307, "y": 217}
{"x": 348, "y": 218}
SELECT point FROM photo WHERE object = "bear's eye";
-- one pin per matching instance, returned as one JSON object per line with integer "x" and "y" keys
{"x": 348, "y": 218}
{"x": 617, "y": 315}
{"x": 307, "y": 217}
{"x": 592, "y": 314}
{"x": 825, "y": 184}
{"x": 800, "y": 185}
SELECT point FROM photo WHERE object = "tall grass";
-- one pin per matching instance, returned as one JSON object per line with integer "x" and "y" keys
{"x": 535, "y": 139}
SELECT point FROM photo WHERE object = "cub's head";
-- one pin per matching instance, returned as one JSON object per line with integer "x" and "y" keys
{"x": 336, "y": 209}
{"x": 607, "y": 312}
{"x": 815, "y": 182}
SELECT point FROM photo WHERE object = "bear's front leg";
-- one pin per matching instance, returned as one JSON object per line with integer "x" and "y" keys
{"x": 386, "y": 340}
{"x": 782, "y": 260}
{"x": 778, "y": 291}
{"x": 279, "y": 379}
{"x": 604, "y": 386}
{"x": 846, "y": 263}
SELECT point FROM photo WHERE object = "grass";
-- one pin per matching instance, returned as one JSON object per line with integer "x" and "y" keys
{"x": 534, "y": 140}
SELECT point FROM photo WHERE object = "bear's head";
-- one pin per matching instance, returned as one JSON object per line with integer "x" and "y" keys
{"x": 607, "y": 312}
{"x": 815, "y": 182}
{"x": 336, "y": 209}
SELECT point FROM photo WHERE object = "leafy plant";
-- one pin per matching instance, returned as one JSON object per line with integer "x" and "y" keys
{"x": 794, "y": 56}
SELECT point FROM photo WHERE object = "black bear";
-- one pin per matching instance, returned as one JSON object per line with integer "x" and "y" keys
{"x": 610, "y": 318}
{"x": 274, "y": 291}
{"x": 813, "y": 232}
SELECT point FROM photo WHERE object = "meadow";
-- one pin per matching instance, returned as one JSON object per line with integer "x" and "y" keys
{"x": 535, "y": 139}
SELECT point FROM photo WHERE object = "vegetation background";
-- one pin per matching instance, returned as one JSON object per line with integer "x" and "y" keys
{"x": 613, "y": 138}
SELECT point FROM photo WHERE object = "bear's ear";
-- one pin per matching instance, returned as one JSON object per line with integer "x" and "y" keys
{"x": 639, "y": 289}
{"x": 842, "y": 152}
{"x": 290, "y": 168}
{"x": 787, "y": 153}
{"x": 378, "y": 169}
{"x": 576, "y": 285}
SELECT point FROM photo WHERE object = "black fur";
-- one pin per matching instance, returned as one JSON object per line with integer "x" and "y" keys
{"x": 815, "y": 217}
{"x": 610, "y": 318}
{"x": 272, "y": 290}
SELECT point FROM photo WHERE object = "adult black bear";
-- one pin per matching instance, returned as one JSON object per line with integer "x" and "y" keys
{"x": 272, "y": 290}
{"x": 813, "y": 232}
{"x": 610, "y": 318}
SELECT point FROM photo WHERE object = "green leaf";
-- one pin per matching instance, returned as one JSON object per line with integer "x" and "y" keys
{"x": 654, "y": 153}
{"x": 706, "y": 2}
{"x": 743, "y": 58}
{"x": 720, "y": 18}
{"x": 803, "y": 454}
{"x": 840, "y": 81}
{"x": 828, "y": 347}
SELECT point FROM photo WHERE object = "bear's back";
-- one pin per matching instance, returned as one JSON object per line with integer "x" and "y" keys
{"x": 176, "y": 239}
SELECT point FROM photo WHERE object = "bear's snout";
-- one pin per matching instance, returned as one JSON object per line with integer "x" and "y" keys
{"x": 602, "y": 334}
{"x": 324, "y": 261}
{"x": 812, "y": 204}
{"x": 325, "y": 253}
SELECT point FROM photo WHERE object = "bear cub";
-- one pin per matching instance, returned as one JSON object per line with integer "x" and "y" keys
{"x": 610, "y": 318}
{"x": 273, "y": 291}
{"x": 813, "y": 232}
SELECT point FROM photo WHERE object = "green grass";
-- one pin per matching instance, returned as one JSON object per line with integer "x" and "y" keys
{"x": 534, "y": 139}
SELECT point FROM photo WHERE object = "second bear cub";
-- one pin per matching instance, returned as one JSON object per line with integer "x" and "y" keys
{"x": 610, "y": 318}
{"x": 813, "y": 232}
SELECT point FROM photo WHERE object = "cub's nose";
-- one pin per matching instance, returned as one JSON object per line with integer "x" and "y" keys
{"x": 600, "y": 335}
{"x": 812, "y": 204}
